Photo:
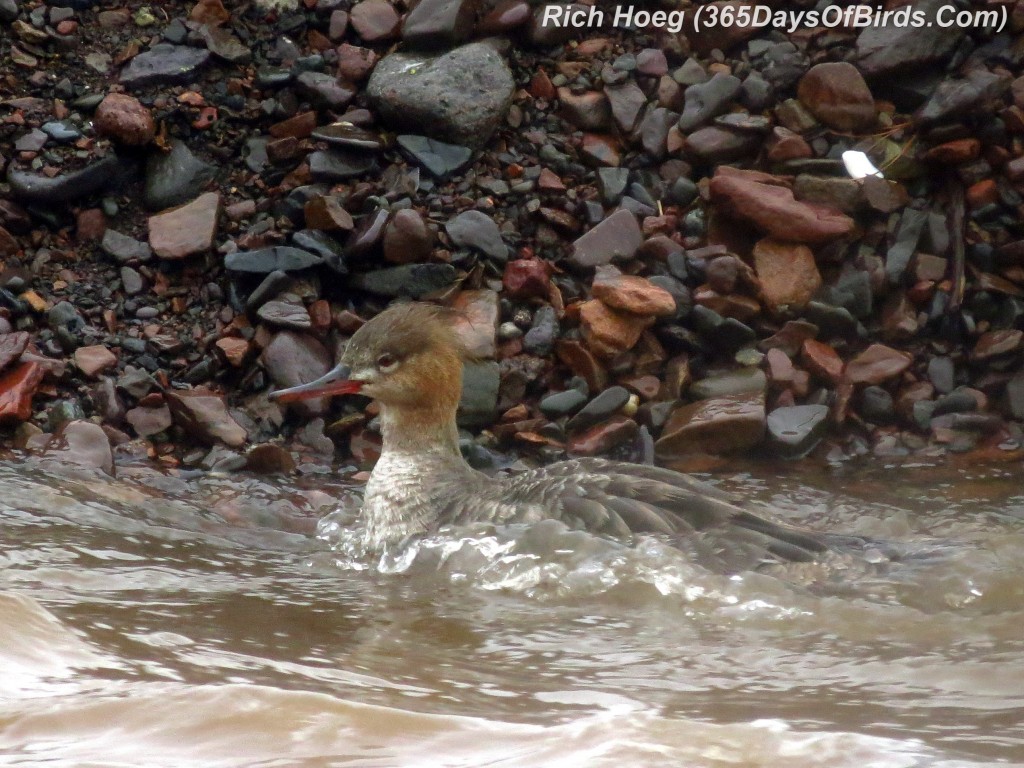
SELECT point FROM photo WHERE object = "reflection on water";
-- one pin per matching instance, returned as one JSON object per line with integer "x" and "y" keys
{"x": 165, "y": 620}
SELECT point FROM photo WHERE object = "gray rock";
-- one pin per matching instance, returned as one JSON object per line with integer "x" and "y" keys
{"x": 334, "y": 165}
{"x": 64, "y": 315}
{"x": 433, "y": 24}
{"x": 324, "y": 246}
{"x": 1015, "y": 394}
{"x": 61, "y": 131}
{"x": 323, "y": 90}
{"x": 618, "y": 237}
{"x": 266, "y": 260}
{"x": 436, "y": 157}
{"x": 898, "y": 257}
{"x": 597, "y": 410}
{"x": 273, "y": 284}
{"x": 297, "y": 358}
{"x": 36, "y": 188}
{"x": 562, "y": 403}
{"x": 475, "y": 229}
{"x": 540, "y": 339}
{"x": 412, "y": 280}
{"x": 883, "y": 51}
{"x": 164, "y": 64}
{"x": 8, "y": 10}
{"x": 459, "y": 96}
{"x": 285, "y": 314}
{"x": 795, "y": 430}
{"x": 124, "y": 249}
{"x": 877, "y": 405}
{"x": 480, "y": 381}
{"x": 956, "y": 97}
{"x": 611, "y": 183}
{"x": 132, "y": 281}
{"x": 957, "y": 401}
{"x": 743, "y": 381}
{"x": 175, "y": 177}
{"x": 705, "y": 101}
{"x": 942, "y": 374}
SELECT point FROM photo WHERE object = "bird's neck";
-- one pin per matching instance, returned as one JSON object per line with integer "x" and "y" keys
{"x": 420, "y": 430}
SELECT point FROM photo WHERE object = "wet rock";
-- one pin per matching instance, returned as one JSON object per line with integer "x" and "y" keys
{"x": 271, "y": 459}
{"x": 609, "y": 332}
{"x": 526, "y": 278}
{"x": 609, "y": 402}
{"x": 164, "y": 64}
{"x": 836, "y": 94}
{"x": 407, "y": 239}
{"x": 475, "y": 229}
{"x": 707, "y": 100}
{"x": 263, "y": 261}
{"x": 460, "y": 96}
{"x": 775, "y": 210}
{"x": 174, "y": 177}
{"x": 324, "y": 91}
{"x": 11, "y": 347}
{"x": 587, "y": 111}
{"x": 124, "y": 119}
{"x": 411, "y": 280}
{"x": 723, "y": 425}
{"x": 997, "y": 343}
{"x": 877, "y": 364}
{"x": 124, "y": 249}
{"x": 629, "y": 293}
{"x": 348, "y": 136}
{"x": 285, "y": 314}
{"x": 334, "y": 165}
{"x": 436, "y": 157}
{"x": 477, "y": 322}
{"x": 17, "y": 386}
{"x": 99, "y": 175}
{"x": 480, "y": 382}
{"x": 326, "y": 213}
{"x": 205, "y": 417}
{"x": 375, "y": 20}
{"x": 626, "y": 102}
{"x": 612, "y": 183}
{"x": 714, "y": 144}
{"x": 788, "y": 273}
{"x": 794, "y": 431}
{"x": 822, "y": 361}
{"x": 540, "y": 338}
{"x": 618, "y": 237}
{"x": 291, "y": 359}
{"x": 562, "y": 403}
{"x": 187, "y": 230}
{"x": 603, "y": 438}
{"x": 94, "y": 360}
{"x": 86, "y": 445}
{"x": 149, "y": 421}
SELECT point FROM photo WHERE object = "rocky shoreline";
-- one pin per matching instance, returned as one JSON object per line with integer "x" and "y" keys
{"x": 657, "y": 248}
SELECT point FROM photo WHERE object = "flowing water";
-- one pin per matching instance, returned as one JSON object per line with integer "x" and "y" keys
{"x": 176, "y": 620}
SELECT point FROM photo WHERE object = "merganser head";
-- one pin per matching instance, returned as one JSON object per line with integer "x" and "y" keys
{"x": 407, "y": 356}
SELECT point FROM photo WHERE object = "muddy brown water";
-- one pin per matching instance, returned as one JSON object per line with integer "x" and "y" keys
{"x": 161, "y": 620}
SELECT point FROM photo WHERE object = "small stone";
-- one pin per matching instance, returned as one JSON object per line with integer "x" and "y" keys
{"x": 475, "y": 229}
{"x": 291, "y": 359}
{"x": 164, "y": 64}
{"x": 124, "y": 119}
{"x": 788, "y": 274}
{"x": 263, "y": 261}
{"x": 477, "y": 321}
{"x": 629, "y": 293}
{"x": 407, "y": 238}
{"x": 204, "y": 416}
{"x": 822, "y": 361}
{"x": 794, "y": 431}
{"x": 617, "y": 237}
{"x": 94, "y": 360}
{"x": 325, "y": 212}
{"x": 836, "y": 94}
{"x": 724, "y": 425}
{"x": 149, "y": 421}
{"x": 375, "y": 20}
{"x": 562, "y": 403}
{"x": 609, "y": 332}
{"x": 706, "y": 100}
{"x": 609, "y": 402}
{"x": 411, "y": 280}
{"x": 234, "y": 350}
{"x": 17, "y": 386}
{"x": 742, "y": 381}
{"x": 175, "y": 177}
{"x": 603, "y": 438}
{"x": 437, "y": 157}
{"x": 996, "y": 343}
{"x": 187, "y": 230}
{"x": 285, "y": 314}
{"x": 527, "y": 278}
{"x": 877, "y": 364}
{"x": 87, "y": 445}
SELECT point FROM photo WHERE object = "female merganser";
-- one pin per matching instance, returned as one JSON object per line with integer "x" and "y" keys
{"x": 409, "y": 359}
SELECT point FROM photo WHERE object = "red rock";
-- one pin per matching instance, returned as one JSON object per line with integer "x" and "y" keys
{"x": 234, "y": 350}
{"x": 774, "y": 209}
{"x": 407, "y": 238}
{"x": 602, "y": 438}
{"x": 548, "y": 181}
{"x": 204, "y": 416}
{"x": 885, "y": 195}
{"x": 477, "y": 322}
{"x": 149, "y": 420}
{"x": 735, "y": 305}
{"x": 717, "y": 425}
{"x": 835, "y": 92}
{"x": 588, "y": 111}
{"x": 995, "y": 343}
{"x": 582, "y": 362}
{"x": 17, "y": 386}
{"x": 629, "y": 293}
{"x": 187, "y": 230}
{"x": 375, "y": 20}
{"x": 954, "y": 152}
{"x": 785, "y": 144}
{"x": 210, "y": 12}
{"x": 124, "y": 119}
{"x": 779, "y": 368}
{"x": 8, "y": 245}
{"x": 90, "y": 224}
{"x": 790, "y": 338}
{"x": 608, "y": 332}
{"x": 647, "y": 387}
{"x": 822, "y": 361}
{"x": 324, "y": 212}
{"x": 600, "y": 150}
{"x": 899, "y": 318}
{"x": 984, "y": 192}
{"x": 298, "y": 127}
{"x": 876, "y": 364}
{"x": 788, "y": 273}
{"x": 11, "y": 347}
{"x": 92, "y": 361}
{"x": 507, "y": 15}
{"x": 355, "y": 63}
{"x": 541, "y": 86}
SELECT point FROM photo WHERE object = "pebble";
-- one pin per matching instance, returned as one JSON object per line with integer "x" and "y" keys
{"x": 604, "y": 405}
{"x": 722, "y": 425}
{"x": 187, "y": 230}
{"x": 618, "y": 237}
{"x": 440, "y": 159}
{"x": 205, "y": 417}
{"x": 175, "y": 177}
{"x": 476, "y": 230}
{"x": 794, "y": 431}
{"x": 263, "y": 261}
{"x": 125, "y": 119}
{"x": 164, "y": 64}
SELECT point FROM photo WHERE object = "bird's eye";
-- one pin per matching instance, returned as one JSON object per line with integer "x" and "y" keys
{"x": 387, "y": 362}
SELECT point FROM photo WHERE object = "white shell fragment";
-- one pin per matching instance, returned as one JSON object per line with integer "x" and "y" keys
{"x": 858, "y": 165}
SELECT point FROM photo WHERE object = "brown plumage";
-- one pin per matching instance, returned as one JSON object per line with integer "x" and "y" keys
{"x": 410, "y": 360}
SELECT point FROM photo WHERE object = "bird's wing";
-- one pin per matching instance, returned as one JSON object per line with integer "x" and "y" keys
{"x": 614, "y": 499}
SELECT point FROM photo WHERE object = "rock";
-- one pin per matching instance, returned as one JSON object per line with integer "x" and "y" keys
{"x": 480, "y": 381}
{"x": 562, "y": 403}
{"x": 271, "y": 459}
{"x": 1015, "y": 395}
{"x": 187, "y": 230}
{"x": 149, "y": 421}
{"x": 334, "y": 165}
{"x": 527, "y": 278}
{"x": 606, "y": 404}
{"x": 324, "y": 91}
{"x": 407, "y": 238}
{"x": 794, "y": 431}
{"x": 715, "y": 144}
{"x": 460, "y": 96}
{"x": 263, "y": 261}
{"x": 506, "y": 16}
{"x": 475, "y": 229}
{"x": 588, "y": 111}
{"x": 355, "y": 63}
{"x": 997, "y": 343}
{"x": 8, "y": 10}
{"x": 234, "y": 350}
{"x": 877, "y": 364}
{"x": 774, "y": 210}
{"x": 600, "y": 150}
{"x": 87, "y": 445}
{"x": 477, "y": 321}
{"x": 11, "y": 347}
{"x": 411, "y": 280}
{"x": 175, "y": 177}
{"x": 904, "y": 48}
{"x": 124, "y": 249}
{"x": 99, "y": 175}
{"x": 742, "y": 381}
{"x": 822, "y": 361}
{"x": 326, "y": 213}
{"x": 788, "y": 274}
{"x": 436, "y": 157}
{"x": 291, "y": 359}
{"x": 224, "y": 45}
{"x": 124, "y": 119}
{"x": 375, "y": 20}
{"x": 707, "y": 100}
{"x": 626, "y": 102}
{"x": 540, "y": 338}
{"x": 285, "y": 314}
{"x": 92, "y": 361}
{"x": 617, "y": 431}
{"x": 608, "y": 332}
{"x": 617, "y": 237}
{"x": 439, "y": 23}
{"x": 629, "y": 293}
{"x": 164, "y": 64}
{"x": 205, "y": 417}
{"x": 17, "y": 386}
{"x": 836, "y": 94}
{"x": 723, "y": 425}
